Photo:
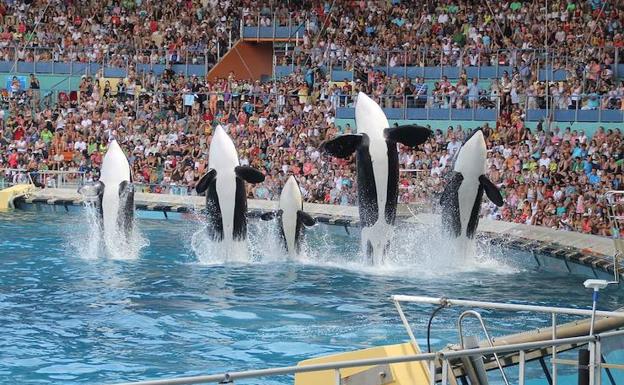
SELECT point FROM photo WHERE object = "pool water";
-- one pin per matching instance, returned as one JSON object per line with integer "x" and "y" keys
{"x": 68, "y": 316}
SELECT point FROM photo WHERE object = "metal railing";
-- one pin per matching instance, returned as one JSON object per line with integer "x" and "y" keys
{"x": 433, "y": 360}
{"x": 425, "y": 61}
{"x": 117, "y": 62}
{"x": 615, "y": 213}
{"x": 47, "y": 178}
{"x": 553, "y": 311}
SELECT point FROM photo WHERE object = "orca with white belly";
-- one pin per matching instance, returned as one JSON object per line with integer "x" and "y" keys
{"x": 226, "y": 194}
{"x": 291, "y": 217}
{"x": 113, "y": 193}
{"x": 377, "y": 161}
{"x": 462, "y": 196}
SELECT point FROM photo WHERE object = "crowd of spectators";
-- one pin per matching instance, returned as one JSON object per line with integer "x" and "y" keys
{"x": 118, "y": 33}
{"x": 551, "y": 176}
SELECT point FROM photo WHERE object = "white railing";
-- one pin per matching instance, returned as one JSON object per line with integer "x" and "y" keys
{"x": 433, "y": 360}
{"x": 553, "y": 311}
{"x": 430, "y": 358}
{"x": 47, "y": 178}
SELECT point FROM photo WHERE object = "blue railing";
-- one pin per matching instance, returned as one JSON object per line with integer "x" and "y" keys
{"x": 431, "y": 73}
{"x": 77, "y": 68}
{"x": 587, "y": 108}
{"x": 280, "y": 32}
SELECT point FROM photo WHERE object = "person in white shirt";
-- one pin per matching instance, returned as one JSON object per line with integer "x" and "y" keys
{"x": 544, "y": 160}
{"x": 453, "y": 146}
{"x": 80, "y": 145}
{"x": 582, "y": 138}
{"x": 444, "y": 158}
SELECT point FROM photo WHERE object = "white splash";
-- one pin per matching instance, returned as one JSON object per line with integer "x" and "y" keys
{"x": 91, "y": 242}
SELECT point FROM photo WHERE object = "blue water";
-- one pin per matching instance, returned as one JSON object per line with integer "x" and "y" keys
{"x": 68, "y": 318}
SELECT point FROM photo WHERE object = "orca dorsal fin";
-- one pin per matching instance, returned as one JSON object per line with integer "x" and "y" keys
{"x": 411, "y": 135}
{"x": 249, "y": 174}
{"x": 270, "y": 215}
{"x": 342, "y": 146}
{"x": 305, "y": 218}
{"x": 204, "y": 181}
{"x": 492, "y": 192}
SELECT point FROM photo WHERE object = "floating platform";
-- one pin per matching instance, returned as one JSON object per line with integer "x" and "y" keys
{"x": 9, "y": 195}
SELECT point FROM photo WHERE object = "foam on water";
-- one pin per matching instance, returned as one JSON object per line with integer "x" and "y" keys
{"x": 415, "y": 250}
{"x": 93, "y": 244}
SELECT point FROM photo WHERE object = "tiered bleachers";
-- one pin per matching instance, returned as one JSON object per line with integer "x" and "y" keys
{"x": 87, "y": 89}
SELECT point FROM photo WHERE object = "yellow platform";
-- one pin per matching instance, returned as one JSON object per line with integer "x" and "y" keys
{"x": 9, "y": 194}
{"x": 408, "y": 373}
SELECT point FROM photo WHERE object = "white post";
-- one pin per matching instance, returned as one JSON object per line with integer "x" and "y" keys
{"x": 444, "y": 372}
{"x": 521, "y": 368}
{"x": 592, "y": 362}
{"x": 432, "y": 372}
{"x": 554, "y": 351}
{"x": 598, "y": 363}
{"x": 406, "y": 324}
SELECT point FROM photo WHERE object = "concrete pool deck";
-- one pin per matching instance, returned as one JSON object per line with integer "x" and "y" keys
{"x": 569, "y": 246}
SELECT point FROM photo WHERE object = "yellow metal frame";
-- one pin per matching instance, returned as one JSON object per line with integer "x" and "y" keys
{"x": 407, "y": 373}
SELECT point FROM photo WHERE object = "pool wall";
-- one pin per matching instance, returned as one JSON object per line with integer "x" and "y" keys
{"x": 551, "y": 249}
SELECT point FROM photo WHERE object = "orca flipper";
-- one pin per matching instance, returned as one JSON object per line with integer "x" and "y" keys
{"x": 126, "y": 206}
{"x": 342, "y": 146}
{"x": 249, "y": 174}
{"x": 270, "y": 215}
{"x": 411, "y": 135}
{"x": 473, "y": 222}
{"x": 204, "y": 182}
{"x": 492, "y": 192}
{"x": 305, "y": 218}
{"x": 449, "y": 200}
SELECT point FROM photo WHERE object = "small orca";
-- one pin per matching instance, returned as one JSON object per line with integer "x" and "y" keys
{"x": 226, "y": 195}
{"x": 113, "y": 193}
{"x": 461, "y": 198}
{"x": 377, "y": 160}
{"x": 291, "y": 217}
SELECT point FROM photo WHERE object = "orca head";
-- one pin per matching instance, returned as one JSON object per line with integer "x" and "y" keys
{"x": 471, "y": 158}
{"x": 222, "y": 155}
{"x": 369, "y": 117}
{"x": 291, "y": 195}
{"x": 115, "y": 167}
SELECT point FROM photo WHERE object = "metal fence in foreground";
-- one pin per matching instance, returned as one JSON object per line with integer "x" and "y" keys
{"x": 433, "y": 360}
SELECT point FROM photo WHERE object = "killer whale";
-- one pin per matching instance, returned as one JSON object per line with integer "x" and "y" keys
{"x": 376, "y": 155}
{"x": 291, "y": 217}
{"x": 226, "y": 195}
{"x": 462, "y": 196}
{"x": 113, "y": 194}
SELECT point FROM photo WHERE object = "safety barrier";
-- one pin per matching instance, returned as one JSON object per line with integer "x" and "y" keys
{"x": 47, "y": 178}
{"x": 440, "y": 363}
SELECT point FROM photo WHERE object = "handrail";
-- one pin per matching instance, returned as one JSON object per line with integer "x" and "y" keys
{"x": 503, "y": 306}
{"x": 286, "y": 370}
{"x": 477, "y": 315}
